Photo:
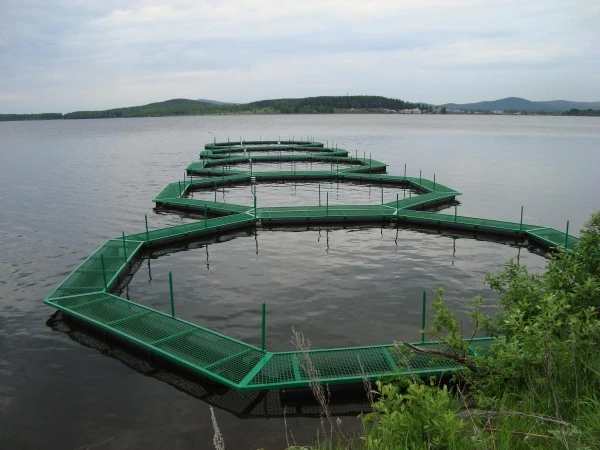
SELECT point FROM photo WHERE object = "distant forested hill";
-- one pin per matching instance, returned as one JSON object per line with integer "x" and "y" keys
{"x": 521, "y": 104}
{"x": 43, "y": 116}
{"x": 175, "y": 107}
{"x": 307, "y": 105}
{"x": 185, "y": 107}
{"x": 215, "y": 102}
{"x": 328, "y": 104}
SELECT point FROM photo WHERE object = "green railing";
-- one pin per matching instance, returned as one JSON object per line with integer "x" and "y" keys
{"x": 87, "y": 292}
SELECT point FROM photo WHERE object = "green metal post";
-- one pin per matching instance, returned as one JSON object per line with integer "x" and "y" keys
{"x": 264, "y": 324}
{"x": 171, "y": 290}
{"x": 103, "y": 272}
{"x": 567, "y": 235}
{"x": 327, "y": 205}
{"x": 423, "y": 317}
{"x": 370, "y": 162}
{"x": 250, "y": 167}
{"x": 124, "y": 246}
{"x": 147, "y": 233}
{"x": 397, "y": 200}
{"x": 205, "y": 218}
{"x": 255, "y": 202}
{"x": 521, "y": 224}
{"x": 455, "y": 210}
{"x": 319, "y": 194}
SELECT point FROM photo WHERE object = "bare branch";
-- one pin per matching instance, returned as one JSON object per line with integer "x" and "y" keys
{"x": 453, "y": 356}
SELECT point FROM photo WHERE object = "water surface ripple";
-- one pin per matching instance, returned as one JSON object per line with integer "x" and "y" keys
{"x": 67, "y": 186}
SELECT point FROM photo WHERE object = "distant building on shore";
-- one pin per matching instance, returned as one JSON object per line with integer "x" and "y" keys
{"x": 410, "y": 111}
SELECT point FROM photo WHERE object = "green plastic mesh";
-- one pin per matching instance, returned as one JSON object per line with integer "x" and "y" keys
{"x": 194, "y": 229}
{"x": 554, "y": 238}
{"x": 88, "y": 277}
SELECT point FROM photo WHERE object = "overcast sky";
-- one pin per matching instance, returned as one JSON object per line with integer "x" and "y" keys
{"x": 66, "y": 55}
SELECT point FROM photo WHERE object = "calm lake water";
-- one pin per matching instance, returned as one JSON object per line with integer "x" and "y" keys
{"x": 67, "y": 186}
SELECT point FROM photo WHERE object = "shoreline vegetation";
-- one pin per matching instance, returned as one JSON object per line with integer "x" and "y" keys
{"x": 537, "y": 388}
{"x": 358, "y": 104}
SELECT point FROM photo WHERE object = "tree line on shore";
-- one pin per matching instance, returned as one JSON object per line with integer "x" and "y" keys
{"x": 307, "y": 105}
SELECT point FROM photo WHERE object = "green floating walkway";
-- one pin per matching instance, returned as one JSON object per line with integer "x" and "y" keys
{"x": 86, "y": 293}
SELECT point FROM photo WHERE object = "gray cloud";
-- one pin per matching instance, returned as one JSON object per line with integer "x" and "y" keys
{"x": 68, "y": 55}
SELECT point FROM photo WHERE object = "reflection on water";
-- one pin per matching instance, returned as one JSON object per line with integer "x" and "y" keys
{"x": 320, "y": 279}
{"x": 350, "y": 400}
{"x": 305, "y": 193}
{"x": 285, "y": 166}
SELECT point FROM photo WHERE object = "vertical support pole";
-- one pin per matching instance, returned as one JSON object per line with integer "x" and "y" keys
{"x": 327, "y": 205}
{"x": 124, "y": 246}
{"x": 171, "y": 291}
{"x": 205, "y": 217}
{"x": 420, "y": 183}
{"x": 215, "y": 189}
{"x": 370, "y": 162}
{"x": 455, "y": 210}
{"x": 255, "y": 202}
{"x": 567, "y": 235}
{"x": 103, "y": 273}
{"x": 423, "y": 317}
{"x": 397, "y": 200}
{"x": 319, "y": 194}
{"x": 382, "y": 194}
{"x": 521, "y": 223}
{"x": 434, "y": 182}
{"x": 264, "y": 325}
{"x": 404, "y": 172}
{"x": 223, "y": 175}
{"x": 147, "y": 233}
{"x": 179, "y": 188}
{"x": 356, "y": 154}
